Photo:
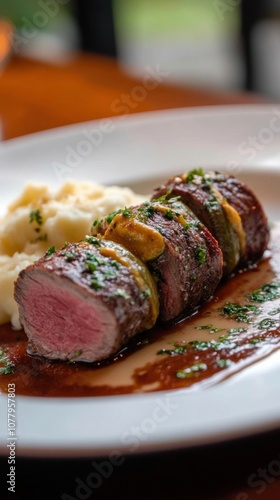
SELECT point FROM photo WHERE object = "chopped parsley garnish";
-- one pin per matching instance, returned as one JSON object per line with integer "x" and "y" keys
{"x": 92, "y": 239}
{"x": 147, "y": 210}
{"x": 179, "y": 349}
{"x": 255, "y": 341}
{"x": 121, "y": 293}
{"x": 92, "y": 262}
{"x": 109, "y": 273}
{"x": 269, "y": 291}
{"x": 6, "y": 366}
{"x": 200, "y": 345}
{"x": 200, "y": 254}
{"x": 223, "y": 363}
{"x": 163, "y": 198}
{"x": 233, "y": 331}
{"x": 196, "y": 172}
{"x": 50, "y": 251}
{"x": 91, "y": 266}
{"x": 36, "y": 216}
{"x": 191, "y": 371}
{"x": 193, "y": 225}
{"x": 266, "y": 324}
{"x": 69, "y": 256}
{"x": 147, "y": 293}
{"x": 96, "y": 283}
{"x": 169, "y": 214}
{"x": 211, "y": 328}
{"x": 76, "y": 354}
{"x": 212, "y": 203}
{"x": 238, "y": 312}
{"x": 100, "y": 269}
{"x": 126, "y": 212}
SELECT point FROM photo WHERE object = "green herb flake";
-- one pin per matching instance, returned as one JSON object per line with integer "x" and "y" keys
{"x": 200, "y": 345}
{"x": 50, "y": 251}
{"x": 125, "y": 212}
{"x": 223, "y": 363}
{"x": 36, "y": 216}
{"x": 179, "y": 349}
{"x": 96, "y": 283}
{"x": 76, "y": 354}
{"x": 200, "y": 254}
{"x": 163, "y": 198}
{"x": 191, "y": 371}
{"x": 6, "y": 366}
{"x": 266, "y": 324}
{"x": 269, "y": 291}
{"x": 91, "y": 266}
{"x": 255, "y": 341}
{"x": 193, "y": 225}
{"x": 233, "y": 331}
{"x": 121, "y": 293}
{"x": 169, "y": 214}
{"x": 69, "y": 256}
{"x": 110, "y": 216}
{"x": 238, "y": 312}
{"x": 114, "y": 263}
{"x": 173, "y": 200}
{"x": 147, "y": 210}
{"x": 92, "y": 240}
{"x": 196, "y": 172}
{"x": 212, "y": 204}
{"x": 147, "y": 293}
{"x": 204, "y": 327}
{"x": 109, "y": 273}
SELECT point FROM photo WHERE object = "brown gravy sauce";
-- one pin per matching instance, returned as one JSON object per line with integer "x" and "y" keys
{"x": 193, "y": 353}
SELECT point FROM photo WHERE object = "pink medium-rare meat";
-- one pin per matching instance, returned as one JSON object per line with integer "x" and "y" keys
{"x": 158, "y": 260}
{"x": 85, "y": 301}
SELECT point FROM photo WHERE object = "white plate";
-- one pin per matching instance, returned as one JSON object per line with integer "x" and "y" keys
{"x": 141, "y": 151}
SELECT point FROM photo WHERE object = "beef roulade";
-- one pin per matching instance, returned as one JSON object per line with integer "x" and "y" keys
{"x": 228, "y": 208}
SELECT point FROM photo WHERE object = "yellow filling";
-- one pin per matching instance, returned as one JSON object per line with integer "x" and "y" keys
{"x": 143, "y": 241}
{"x": 236, "y": 222}
{"x": 141, "y": 275}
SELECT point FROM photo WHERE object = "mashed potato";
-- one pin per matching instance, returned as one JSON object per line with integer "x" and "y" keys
{"x": 41, "y": 218}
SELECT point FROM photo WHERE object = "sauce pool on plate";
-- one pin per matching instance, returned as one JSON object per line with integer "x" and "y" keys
{"x": 238, "y": 327}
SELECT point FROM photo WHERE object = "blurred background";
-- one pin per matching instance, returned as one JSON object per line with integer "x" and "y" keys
{"x": 221, "y": 44}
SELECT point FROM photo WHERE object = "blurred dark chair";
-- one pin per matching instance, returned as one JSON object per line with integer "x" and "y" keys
{"x": 95, "y": 20}
{"x": 252, "y": 12}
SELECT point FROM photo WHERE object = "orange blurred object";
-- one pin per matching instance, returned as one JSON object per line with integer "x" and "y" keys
{"x": 6, "y": 30}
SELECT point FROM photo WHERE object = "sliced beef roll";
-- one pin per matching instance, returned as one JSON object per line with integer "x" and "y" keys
{"x": 228, "y": 208}
{"x": 179, "y": 250}
{"x": 85, "y": 301}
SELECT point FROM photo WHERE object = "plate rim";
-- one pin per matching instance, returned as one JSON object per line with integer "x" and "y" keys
{"x": 52, "y": 449}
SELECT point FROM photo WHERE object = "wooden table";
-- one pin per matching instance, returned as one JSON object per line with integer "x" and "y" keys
{"x": 35, "y": 96}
